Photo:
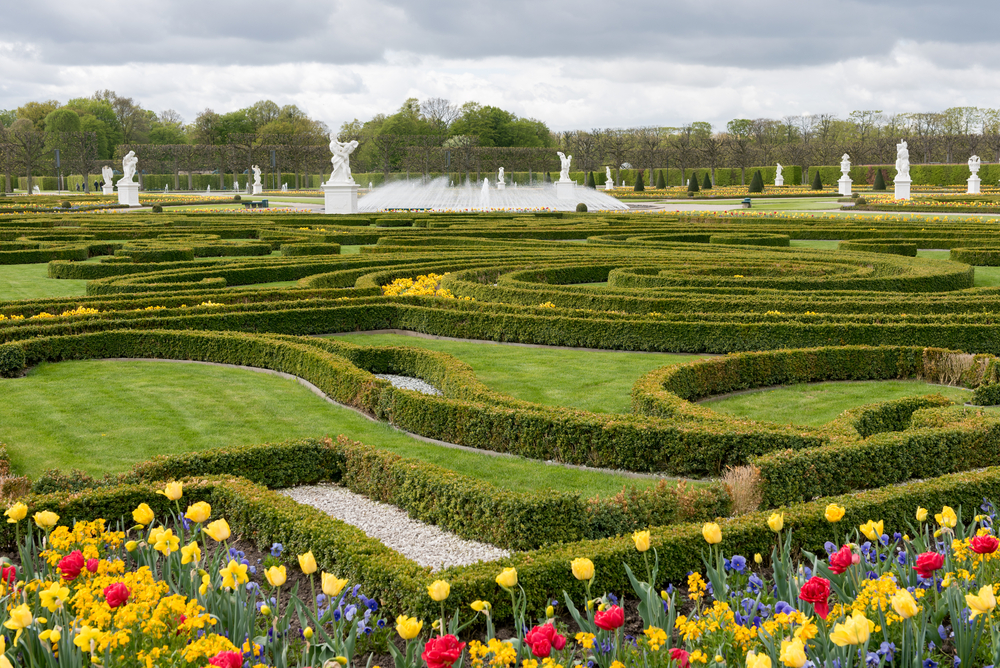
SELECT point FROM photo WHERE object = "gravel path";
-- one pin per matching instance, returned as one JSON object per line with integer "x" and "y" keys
{"x": 408, "y": 383}
{"x": 423, "y": 543}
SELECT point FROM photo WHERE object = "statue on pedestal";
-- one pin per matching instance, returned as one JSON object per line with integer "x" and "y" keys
{"x": 341, "y": 161}
{"x": 256, "y": 175}
{"x": 107, "y": 174}
{"x": 902, "y": 162}
{"x": 129, "y": 163}
{"x": 607, "y": 175}
{"x": 974, "y": 165}
{"x": 500, "y": 178}
{"x": 778, "y": 173}
{"x": 565, "y": 162}
{"x": 845, "y": 164}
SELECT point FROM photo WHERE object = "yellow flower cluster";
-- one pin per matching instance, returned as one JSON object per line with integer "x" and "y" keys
{"x": 494, "y": 654}
{"x": 426, "y": 285}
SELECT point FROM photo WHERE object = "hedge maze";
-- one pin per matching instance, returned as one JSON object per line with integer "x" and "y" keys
{"x": 194, "y": 287}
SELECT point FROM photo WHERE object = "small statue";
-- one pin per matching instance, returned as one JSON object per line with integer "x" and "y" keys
{"x": 500, "y": 178}
{"x": 107, "y": 174}
{"x": 902, "y": 162}
{"x": 129, "y": 163}
{"x": 256, "y": 175}
{"x": 341, "y": 161}
{"x": 778, "y": 175}
{"x": 564, "y": 161}
{"x": 845, "y": 164}
{"x": 974, "y": 165}
{"x": 607, "y": 175}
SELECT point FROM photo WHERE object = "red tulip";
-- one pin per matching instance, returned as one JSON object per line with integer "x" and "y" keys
{"x": 817, "y": 592}
{"x": 984, "y": 544}
{"x": 442, "y": 651}
{"x": 841, "y": 560}
{"x": 116, "y": 594}
{"x": 9, "y": 574}
{"x": 927, "y": 563}
{"x": 71, "y": 565}
{"x": 542, "y": 639}
{"x": 227, "y": 660}
{"x": 610, "y": 619}
{"x": 92, "y": 565}
{"x": 681, "y": 657}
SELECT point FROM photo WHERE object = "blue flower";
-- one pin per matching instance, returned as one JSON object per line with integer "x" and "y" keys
{"x": 277, "y": 549}
{"x": 613, "y": 599}
{"x": 901, "y": 558}
{"x": 930, "y": 663}
{"x": 783, "y": 608}
{"x": 884, "y": 539}
{"x": 754, "y": 584}
{"x": 829, "y": 547}
{"x": 739, "y": 563}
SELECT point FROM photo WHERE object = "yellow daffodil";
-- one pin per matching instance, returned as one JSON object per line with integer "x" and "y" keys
{"x": 408, "y": 628}
{"x": 198, "y": 512}
{"x": 854, "y": 630}
{"x": 87, "y": 639}
{"x": 981, "y": 603}
{"x": 46, "y": 519}
{"x": 438, "y": 590}
{"x": 641, "y": 540}
{"x": 307, "y": 562}
{"x": 53, "y": 598}
{"x": 332, "y": 585}
{"x": 947, "y": 517}
{"x": 904, "y": 604}
{"x": 206, "y": 582}
{"x": 755, "y": 660}
{"x": 131, "y": 545}
{"x": 166, "y": 542}
{"x": 20, "y": 619}
{"x": 190, "y": 553}
{"x": 583, "y": 568}
{"x": 16, "y": 513}
{"x": 5, "y": 662}
{"x": 275, "y": 575}
{"x": 143, "y": 515}
{"x": 712, "y": 533}
{"x": 173, "y": 491}
{"x": 776, "y": 522}
{"x": 507, "y": 578}
{"x": 218, "y": 530}
{"x": 233, "y": 575}
{"x": 834, "y": 513}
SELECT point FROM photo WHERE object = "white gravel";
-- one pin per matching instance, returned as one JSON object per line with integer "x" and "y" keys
{"x": 425, "y": 544}
{"x": 408, "y": 383}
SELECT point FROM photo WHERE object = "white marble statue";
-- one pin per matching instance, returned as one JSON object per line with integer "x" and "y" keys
{"x": 902, "y": 162}
{"x": 845, "y": 164}
{"x": 256, "y": 175}
{"x": 779, "y": 179}
{"x": 974, "y": 164}
{"x": 607, "y": 175}
{"x": 341, "y": 161}
{"x": 565, "y": 161}
{"x": 778, "y": 172}
{"x": 500, "y": 178}
{"x": 129, "y": 163}
{"x": 107, "y": 174}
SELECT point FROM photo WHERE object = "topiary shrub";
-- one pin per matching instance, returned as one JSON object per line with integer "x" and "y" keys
{"x": 12, "y": 360}
{"x": 236, "y": 198}
{"x": 157, "y": 208}
{"x": 707, "y": 183}
{"x": 590, "y": 181}
{"x": 861, "y": 201}
{"x": 548, "y": 177}
{"x": 639, "y": 187}
{"x": 581, "y": 208}
{"x": 986, "y": 395}
{"x": 661, "y": 184}
{"x": 817, "y": 183}
{"x": 65, "y": 204}
{"x": 693, "y": 183}
{"x": 879, "y": 181}
{"x": 756, "y": 183}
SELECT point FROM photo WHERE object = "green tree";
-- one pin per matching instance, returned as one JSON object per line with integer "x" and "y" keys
{"x": 62, "y": 120}
{"x": 879, "y": 181}
{"x": 707, "y": 183}
{"x": 590, "y": 181}
{"x": 639, "y": 187}
{"x": 36, "y": 112}
{"x": 756, "y": 183}
{"x": 817, "y": 183}
{"x": 693, "y": 183}
{"x": 661, "y": 183}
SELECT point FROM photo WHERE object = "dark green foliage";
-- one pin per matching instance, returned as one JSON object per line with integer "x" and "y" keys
{"x": 298, "y": 250}
{"x": 66, "y": 205}
{"x": 590, "y": 181}
{"x": 693, "y": 183}
{"x": 548, "y": 177}
{"x": 817, "y": 182}
{"x": 878, "y": 246}
{"x": 756, "y": 183}
{"x": 706, "y": 184}
{"x": 750, "y": 239}
{"x": 157, "y": 208}
{"x": 879, "y": 180}
{"x": 12, "y": 360}
{"x": 639, "y": 187}
{"x": 986, "y": 395}
{"x": 581, "y": 208}
{"x": 236, "y": 198}
{"x": 661, "y": 183}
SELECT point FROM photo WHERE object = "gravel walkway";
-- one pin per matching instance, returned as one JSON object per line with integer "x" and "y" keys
{"x": 423, "y": 543}
{"x": 408, "y": 383}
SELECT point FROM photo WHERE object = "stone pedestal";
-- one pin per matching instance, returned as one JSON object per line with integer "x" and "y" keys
{"x": 902, "y": 189}
{"x": 128, "y": 194}
{"x": 341, "y": 197}
{"x": 779, "y": 180}
{"x": 973, "y": 185}
{"x": 108, "y": 188}
{"x": 257, "y": 189}
{"x": 609, "y": 185}
{"x": 501, "y": 185}
{"x": 565, "y": 189}
{"x": 845, "y": 185}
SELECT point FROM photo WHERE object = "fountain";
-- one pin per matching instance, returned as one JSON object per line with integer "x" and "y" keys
{"x": 440, "y": 194}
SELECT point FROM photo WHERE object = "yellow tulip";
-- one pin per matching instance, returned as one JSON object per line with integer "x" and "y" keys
{"x": 583, "y": 568}
{"x": 190, "y": 552}
{"x": 834, "y": 513}
{"x": 755, "y": 660}
{"x": 793, "y": 653}
{"x": 947, "y": 517}
{"x": 641, "y": 540}
{"x": 307, "y": 562}
{"x": 507, "y": 578}
{"x": 16, "y": 513}
{"x": 921, "y": 514}
{"x": 307, "y": 633}
{"x": 550, "y": 611}
{"x": 872, "y": 530}
{"x": 218, "y": 530}
{"x": 904, "y": 604}
{"x": 332, "y": 585}
{"x": 131, "y": 545}
{"x": 757, "y": 559}
{"x": 198, "y": 512}
{"x": 173, "y": 491}
{"x": 480, "y": 606}
{"x": 143, "y": 515}
{"x": 46, "y": 519}
{"x": 275, "y": 575}
{"x": 854, "y": 631}
{"x": 776, "y": 522}
{"x": 981, "y": 603}
{"x": 265, "y": 610}
{"x": 408, "y": 628}
{"x": 712, "y": 533}
{"x": 438, "y": 590}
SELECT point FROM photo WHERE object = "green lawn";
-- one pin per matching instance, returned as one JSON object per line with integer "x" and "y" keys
{"x": 31, "y": 281}
{"x": 814, "y": 404}
{"x": 104, "y": 415}
{"x": 595, "y": 381}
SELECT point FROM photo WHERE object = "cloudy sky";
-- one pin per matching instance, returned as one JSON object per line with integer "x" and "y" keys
{"x": 576, "y": 65}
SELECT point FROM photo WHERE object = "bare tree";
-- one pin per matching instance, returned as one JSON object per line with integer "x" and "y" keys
{"x": 130, "y": 116}
{"x": 616, "y": 145}
{"x": 739, "y": 145}
{"x": 439, "y": 112}
{"x": 28, "y": 148}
